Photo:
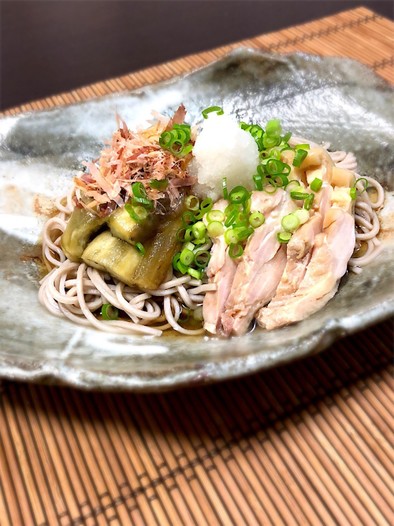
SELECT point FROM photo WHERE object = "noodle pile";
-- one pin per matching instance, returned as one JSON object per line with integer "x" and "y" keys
{"x": 77, "y": 292}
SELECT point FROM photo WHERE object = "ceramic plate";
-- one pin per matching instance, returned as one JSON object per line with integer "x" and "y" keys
{"x": 324, "y": 99}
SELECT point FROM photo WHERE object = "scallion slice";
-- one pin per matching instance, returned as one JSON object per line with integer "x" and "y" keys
{"x": 235, "y": 250}
{"x": 258, "y": 181}
{"x": 299, "y": 196}
{"x": 199, "y": 230}
{"x": 302, "y": 147}
{"x": 215, "y": 215}
{"x": 192, "y": 203}
{"x": 316, "y": 184}
{"x": 138, "y": 190}
{"x": 230, "y": 236}
{"x": 202, "y": 258}
{"x": 212, "y": 109}
{"x": 238, "y": 195}
{"x": 188, "y": 218}
{"x": 224, "y": 186}
{"x": 256, "y": 219}
{"x": 353, "y": 193}
{"x": 309, "y": 201}
{"x": 194, "y": 273}
{"x": 138, "y": 213}
{"x": 302, "y": 214}
{"x": 158, "y": 184}
{"x": 283, "y": 237}
{"x": 109, "y": 312}
{"x": 290, "y": 222}
{"x": 140, "y": 247}
{"x": 186, "y": 257}
{"x": 215, "y": 229}
{"x": 299, "y": 157}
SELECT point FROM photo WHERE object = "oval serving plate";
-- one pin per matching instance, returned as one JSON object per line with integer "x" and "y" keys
{"x": 325, "y": 99}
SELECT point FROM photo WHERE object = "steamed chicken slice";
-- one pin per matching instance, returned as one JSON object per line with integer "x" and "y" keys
{"x": 220, "y": 271}
{"x": 332, "y": 250}
{"x": 261, "y": 266}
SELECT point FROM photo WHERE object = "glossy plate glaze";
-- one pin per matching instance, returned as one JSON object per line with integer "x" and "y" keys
{"x": 324, "y": 99}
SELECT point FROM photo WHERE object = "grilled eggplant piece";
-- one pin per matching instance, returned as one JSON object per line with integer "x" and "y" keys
{"x": 125, "y": 227}
{"x": 154, "y": 266}
{"x": 118, "y": 258}
{"x": 80, "y": 229}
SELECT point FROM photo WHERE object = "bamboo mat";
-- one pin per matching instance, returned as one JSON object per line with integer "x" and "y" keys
{"x": 309, "y": 443}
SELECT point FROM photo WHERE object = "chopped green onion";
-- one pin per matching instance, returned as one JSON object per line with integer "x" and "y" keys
{"x": 364, "y": 181}
{"x": 109, "y": 312}
{"x": 138, "y": 190}
{"x": 196, "y": 274}
{"x": 177, "y": 265}
{"x": 353, "y": 193}
{"x": 270, "y": 141}
{"x": 309, "y": 201}
{"x": 192, "y": 202}
{"x": 256, "y": 219}
{"x": 185, "y": 150}
{"x": 243, "y": 232}
{"x": 144, "y": 201}
{"x": 157, "y": 184}
{"x": 181, "y": 234}
{"x": 283, "y": 237}
{"x": 202, "y": 258}
{"x": 238, "y": 195}
{"x": 290, "y": 222}
{"x": 165, "y": 139}
{"x": 224, "y": 186}
{"x": 299, "y": 157}
{"x": 286, "y": 138}
{"x": 188, "y": 234}
{"x": 276, "y": 167}
{"x": 302, "y": 147}
{"x": 189, "y": 246}
{"x": 138, "y": 213}
{"x": 215, "y": 229}
{"x": 302, "y": 214}
{"x": 211, "y": 109}
{"x": 199, "y": 230}
{"x": 273, "y": 127}
{"x": 215, "y": 215}
{"x": 231, "y": 237}
{"x": 258, "y": 181}
{"x": 235, "y": 250}
{"x": 316, "y": 184}
{"x": 294, "y": 194}
{"x": 140, "y": 247}
{"x": 188, "y": 217}
{"x": 271, "y": 185}
{"x": 298, "y": 187}
{"x": 205, "y": 207}
{"x": 186, "y": 257}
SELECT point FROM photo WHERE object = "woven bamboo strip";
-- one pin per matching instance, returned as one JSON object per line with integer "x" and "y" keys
{"x": 193, "y": 502}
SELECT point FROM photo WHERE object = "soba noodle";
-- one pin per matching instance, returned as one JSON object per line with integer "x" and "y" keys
{"x": 77, "y": 292}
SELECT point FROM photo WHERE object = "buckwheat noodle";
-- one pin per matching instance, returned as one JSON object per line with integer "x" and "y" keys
{"x": 77, "y": 292}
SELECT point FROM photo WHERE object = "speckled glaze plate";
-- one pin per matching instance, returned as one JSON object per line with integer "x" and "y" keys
{"x": 324, "y": 99}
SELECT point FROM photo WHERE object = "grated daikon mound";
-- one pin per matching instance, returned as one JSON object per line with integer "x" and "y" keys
{"x": 223, "y": 149}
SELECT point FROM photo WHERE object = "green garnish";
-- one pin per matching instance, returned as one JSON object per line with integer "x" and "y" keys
{"x": 158, "y": 184}
{"x": 192, "y": 203}
{"x": 212, "y": 109}
{"x": 235, "y": 250}
{"x": 299, "y": 157}
{"x": 256, "y": 219}
{"x": 283, "y": 237}
{"x": 316, "y": 184}
{"x": 290, "y": 222}
{"x": 109, "y": 312}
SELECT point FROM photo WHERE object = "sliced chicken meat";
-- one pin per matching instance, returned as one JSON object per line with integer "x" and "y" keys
{"x": 221, "y": 270}
{"x": 261, "y": 266}
{"x": 328, "y": 261}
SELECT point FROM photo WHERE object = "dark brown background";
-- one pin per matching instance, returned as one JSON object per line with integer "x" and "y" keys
{"x": 53, "y": 46}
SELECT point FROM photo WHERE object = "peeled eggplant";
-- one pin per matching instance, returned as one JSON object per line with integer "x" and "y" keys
{"x": 154, "y": 266}
{"x": 125, "y": 227}
{"x": 80, "y": 229}
{"x": 118, "y": 258}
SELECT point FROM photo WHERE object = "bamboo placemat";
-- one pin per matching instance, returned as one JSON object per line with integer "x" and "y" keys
{"x": 309, "y": 443}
